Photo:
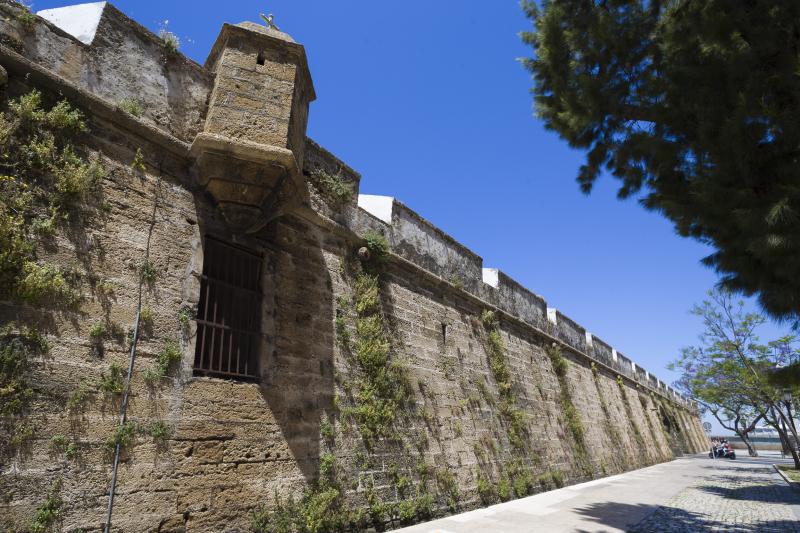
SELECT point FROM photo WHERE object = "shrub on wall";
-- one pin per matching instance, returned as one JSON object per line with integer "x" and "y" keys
{"x": 44, "y": 183}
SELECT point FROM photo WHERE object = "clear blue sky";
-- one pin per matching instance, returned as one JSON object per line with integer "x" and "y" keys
{"x": 428, "y": 102}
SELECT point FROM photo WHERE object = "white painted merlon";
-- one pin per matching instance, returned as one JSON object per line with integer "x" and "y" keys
{"x": 589, "y": 340}
{"x": 633, "y": 367}
{"x": 377, "y": 206}
{"x": 491, "y": 276}
{"x": 614, "y": 354}
{"x": 552, "y": 315}
{"x": 80, "y": 20}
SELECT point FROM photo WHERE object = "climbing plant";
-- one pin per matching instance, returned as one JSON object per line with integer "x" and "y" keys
{"x": 637, "y": 434}
{"x": 610, "y": 427}
{"x": 516, "y": 421}
{"x": 378, "y": 405}
{"x": 570, "y": 413}
{"x": 382, "y": 389}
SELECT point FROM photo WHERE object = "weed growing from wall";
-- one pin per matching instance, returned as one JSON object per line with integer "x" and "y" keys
{"x": 448, "y": 486}
{"x": 130, "y": 106}
{"x": 45, "y": 184}
{"x": 378, "y": 404}
{"x": 551, "y": 479}
{"x": 672, "y": 426}
{"x": 160, "y": 433}
{"x": 123, "y": 435}
{"x": 49, "y": 512}
{"x": 166, "y": 360}
{"x": 334, "y": 187}
{"x": 646, "y": 410}
{"x": 78, "y": 399}
{"x": 169, "y": 41}
{"x": 112, "y": 381}
{"x": 26, "y": 19}
{"x": 322, "y": 507}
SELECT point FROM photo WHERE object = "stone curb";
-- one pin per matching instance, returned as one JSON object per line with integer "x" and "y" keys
{"x": 794, "y": 484}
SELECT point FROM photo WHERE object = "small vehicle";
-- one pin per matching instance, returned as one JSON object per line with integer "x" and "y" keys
{"x": 722, "y": 450}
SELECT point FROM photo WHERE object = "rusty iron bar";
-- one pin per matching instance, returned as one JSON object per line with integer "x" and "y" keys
{"x": 229, "y": 312}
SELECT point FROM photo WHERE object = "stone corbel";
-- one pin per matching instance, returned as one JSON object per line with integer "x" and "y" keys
{"x": 250, "y": 183}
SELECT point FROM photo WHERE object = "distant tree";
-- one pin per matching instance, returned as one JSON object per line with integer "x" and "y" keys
{"x": 714, "y": 385}
{"x": 694, "y": 105}
{"x": 729, "y": 370}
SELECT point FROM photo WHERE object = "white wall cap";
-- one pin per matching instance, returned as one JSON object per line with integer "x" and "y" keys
{"x": 377, "y": 206}
{"x": 551, "y": 315}
{"x": 491, "y": 276}
{"x": 80, "y": 20}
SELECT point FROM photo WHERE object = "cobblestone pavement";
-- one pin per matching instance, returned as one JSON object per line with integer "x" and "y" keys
{"x": 738, "y": 497}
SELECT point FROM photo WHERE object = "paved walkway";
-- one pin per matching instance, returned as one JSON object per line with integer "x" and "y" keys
{"x": 691, "y": 494}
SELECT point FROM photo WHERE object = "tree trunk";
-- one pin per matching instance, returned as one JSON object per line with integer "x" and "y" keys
{"x": 751, "y": 449}
{"x": 785, "y": 440}
{"x": 790, "y": 435}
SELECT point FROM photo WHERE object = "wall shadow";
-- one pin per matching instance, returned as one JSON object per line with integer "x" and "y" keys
{"x": 299, "y": 379}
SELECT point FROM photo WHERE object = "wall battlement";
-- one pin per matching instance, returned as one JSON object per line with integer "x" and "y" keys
{"x": 417, "y": 240}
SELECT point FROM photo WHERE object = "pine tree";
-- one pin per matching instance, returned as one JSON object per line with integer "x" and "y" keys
{"x": 694, "y": 105}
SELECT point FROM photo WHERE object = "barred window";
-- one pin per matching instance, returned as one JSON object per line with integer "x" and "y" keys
{"x": 229, "y": 312}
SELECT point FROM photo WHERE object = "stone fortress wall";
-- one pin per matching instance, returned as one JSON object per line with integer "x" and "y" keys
{"x": 494, "y": 405}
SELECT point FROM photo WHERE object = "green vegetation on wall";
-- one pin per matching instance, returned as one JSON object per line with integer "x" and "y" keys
{"x": 378, "y": 404}
{"x": 334, "y": 187}
{"x": 516, "y": 420}
{"x": 44, "y": 183}
{"x": 18, "y": 346}
{"x": 382, "y": 390}
{"x": 570, "y": 413}
{"x": 48, "y": 513}
{"x": 629, "y": 415}
{"x": 609, "y": 426}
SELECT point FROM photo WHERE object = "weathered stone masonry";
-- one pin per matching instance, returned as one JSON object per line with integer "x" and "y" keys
{"x": 225, "y": 155}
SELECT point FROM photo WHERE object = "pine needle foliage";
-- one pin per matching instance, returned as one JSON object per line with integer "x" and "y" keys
{"x": 694, "y": 106}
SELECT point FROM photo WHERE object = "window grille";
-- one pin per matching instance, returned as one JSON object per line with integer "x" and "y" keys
{"x": 229, "y": 312}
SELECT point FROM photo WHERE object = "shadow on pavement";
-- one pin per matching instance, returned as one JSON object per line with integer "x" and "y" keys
{"x": 614, "y": 514}
{"x": 769, "y": 493}
{"x": 670, "y": 519}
